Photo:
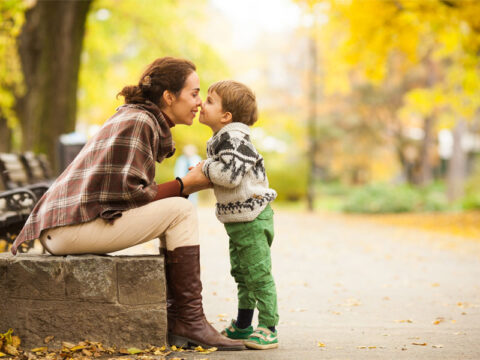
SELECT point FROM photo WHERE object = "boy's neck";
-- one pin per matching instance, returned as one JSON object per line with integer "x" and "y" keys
{"x": 218, "y": 128}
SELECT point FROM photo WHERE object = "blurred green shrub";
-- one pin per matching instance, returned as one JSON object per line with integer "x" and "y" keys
{"x": 289, "y": 181}
{"x": 385, "y": 198}
{"x": 471, "y": 200}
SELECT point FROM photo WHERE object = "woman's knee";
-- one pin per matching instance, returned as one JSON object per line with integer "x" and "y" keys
{"x": 186, "y": 211}
{"x": 183, "y": 230}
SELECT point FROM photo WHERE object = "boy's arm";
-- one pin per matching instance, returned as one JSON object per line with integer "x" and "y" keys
{"x": 234, "y": 159}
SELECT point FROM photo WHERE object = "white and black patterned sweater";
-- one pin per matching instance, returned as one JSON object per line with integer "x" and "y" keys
{"x": 237, "y": 172}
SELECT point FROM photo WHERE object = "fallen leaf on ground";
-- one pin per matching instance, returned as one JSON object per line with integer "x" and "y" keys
{"x": 40, "y": 349}
{"x": 320, "y": 344}
{"x": 87, "y": 352}
{"x": 16, "y": 341}
{"x": 78, "y": 347}
{"x": 419, "y": 344}
{"x": 205, "y": 351}
{"x": 134, "y": 351}
{"x": 437, "y": 346}
{"x": 11, "y": 350}
{"x": 404, "y": 321}
{"x": 438, "y": 320}
{"x": 67, "y": 344}
{"x": 48, "y": 339}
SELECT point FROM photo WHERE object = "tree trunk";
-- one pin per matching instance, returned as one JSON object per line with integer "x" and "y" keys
{"x": 312, "y": 119}
{"x": 5, "y": 135}
{"x": 426, "y": 173}
{"x": 457, "y": 166}
{"x": 50, "y": 45}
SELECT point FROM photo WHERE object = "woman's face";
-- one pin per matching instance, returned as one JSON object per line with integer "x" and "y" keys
{"x": 184, "y": 107}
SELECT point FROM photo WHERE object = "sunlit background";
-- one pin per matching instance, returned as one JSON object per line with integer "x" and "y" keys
{"x": 365, "y": 106}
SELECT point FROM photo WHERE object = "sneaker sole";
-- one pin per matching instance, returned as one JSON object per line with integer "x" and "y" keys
{"x": 254, "y": 345}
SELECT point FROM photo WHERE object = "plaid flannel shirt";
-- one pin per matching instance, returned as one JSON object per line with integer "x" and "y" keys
{"x": 114, "y": 172}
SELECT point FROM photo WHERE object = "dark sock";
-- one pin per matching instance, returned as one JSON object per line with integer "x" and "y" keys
{"x": 271, "y": 328}
{"x": 244, "y": 318}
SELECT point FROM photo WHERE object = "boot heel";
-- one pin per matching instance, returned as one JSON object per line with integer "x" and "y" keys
{"x": 178, "y": 341}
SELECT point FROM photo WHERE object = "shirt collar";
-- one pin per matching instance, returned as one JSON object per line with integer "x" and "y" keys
{"x": 169, "y": 121}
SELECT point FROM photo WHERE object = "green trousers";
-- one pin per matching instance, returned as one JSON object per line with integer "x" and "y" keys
{"x": 251, "y": 265}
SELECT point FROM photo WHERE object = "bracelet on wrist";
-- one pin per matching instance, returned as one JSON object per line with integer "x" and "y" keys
{"x": 180, "y": 181}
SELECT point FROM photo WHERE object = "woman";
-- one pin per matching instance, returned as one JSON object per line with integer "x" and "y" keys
{"x": 107, "y": 200}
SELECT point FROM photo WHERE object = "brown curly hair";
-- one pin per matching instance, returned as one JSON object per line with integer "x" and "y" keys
{"x": 166, "y": 73}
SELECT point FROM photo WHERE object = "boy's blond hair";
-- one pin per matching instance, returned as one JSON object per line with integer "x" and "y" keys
{"x": 237, "y": 99}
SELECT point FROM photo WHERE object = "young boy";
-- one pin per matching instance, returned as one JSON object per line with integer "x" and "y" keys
{"x": 237, "y": 172}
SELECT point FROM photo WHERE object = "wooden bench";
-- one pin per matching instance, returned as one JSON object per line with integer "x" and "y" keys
{"x": 15, "y": 207}
{"x": 24, "y": 179}
{"x": 38, "y": 168}
{"x": 15, "y": 174}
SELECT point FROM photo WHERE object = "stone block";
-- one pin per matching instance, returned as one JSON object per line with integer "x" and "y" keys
{"x": 91, "y": 278}
{"x": 141, "y": 281}
{"x": 77, "y": 298}
{"x": 35, "y": 277}
{"x": 3, "y": 272}
{"x": 111, "y": 324}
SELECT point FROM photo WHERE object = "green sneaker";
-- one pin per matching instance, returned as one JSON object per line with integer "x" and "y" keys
{"x": 233, "y": 332}
{"x": 262, "y": 339}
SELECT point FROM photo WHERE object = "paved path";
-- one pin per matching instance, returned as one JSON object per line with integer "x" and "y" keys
{"x": 360, "y": 290}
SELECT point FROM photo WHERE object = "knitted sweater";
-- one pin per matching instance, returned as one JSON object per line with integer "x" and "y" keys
{"x": 237, "y": 172}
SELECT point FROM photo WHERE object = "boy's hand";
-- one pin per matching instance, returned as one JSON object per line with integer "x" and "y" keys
{"x": 198, "y": 164}
{"x": 195, "y": 180}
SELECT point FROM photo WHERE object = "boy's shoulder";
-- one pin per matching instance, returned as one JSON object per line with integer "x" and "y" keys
{"x": 234, "y": 141}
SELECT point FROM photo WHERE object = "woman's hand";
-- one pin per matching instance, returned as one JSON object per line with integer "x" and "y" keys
{"x": 195, "y": 180}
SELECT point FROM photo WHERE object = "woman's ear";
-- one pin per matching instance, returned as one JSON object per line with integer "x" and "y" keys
{"x": 226, "y": 118}
{"x": 168, "y": 97}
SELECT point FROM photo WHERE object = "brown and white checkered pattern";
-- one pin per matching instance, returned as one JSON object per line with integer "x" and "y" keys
{"x": 114, "y": 172}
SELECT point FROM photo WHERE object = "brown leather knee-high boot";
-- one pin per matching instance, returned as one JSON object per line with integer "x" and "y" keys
{"x": 190, "y": 327}
{"x": 171, "y": 307}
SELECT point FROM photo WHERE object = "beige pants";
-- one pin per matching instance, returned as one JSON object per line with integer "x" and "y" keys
{"x": 173, "y": 220}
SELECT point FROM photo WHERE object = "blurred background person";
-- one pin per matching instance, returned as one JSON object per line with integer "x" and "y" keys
{"x": 188, "y": 159}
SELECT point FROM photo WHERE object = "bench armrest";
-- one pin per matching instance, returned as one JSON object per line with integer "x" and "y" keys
{"x": 19, "y": 199}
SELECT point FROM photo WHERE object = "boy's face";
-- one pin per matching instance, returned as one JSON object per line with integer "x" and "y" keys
{"x": 212, "y": 113}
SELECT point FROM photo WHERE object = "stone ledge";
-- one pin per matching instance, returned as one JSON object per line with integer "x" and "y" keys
{"x": 117, "y": 300}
